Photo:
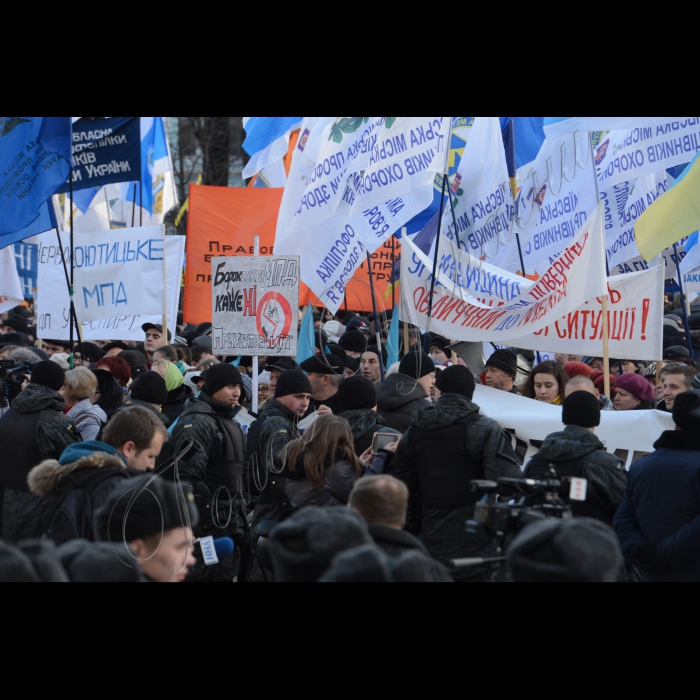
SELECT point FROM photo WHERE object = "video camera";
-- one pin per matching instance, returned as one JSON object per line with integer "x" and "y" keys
{"x": 11, "y": 379}
{"x": 539, "y": 500}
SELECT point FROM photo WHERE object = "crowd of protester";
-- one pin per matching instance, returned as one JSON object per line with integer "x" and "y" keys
{"x": 121, "y": 460}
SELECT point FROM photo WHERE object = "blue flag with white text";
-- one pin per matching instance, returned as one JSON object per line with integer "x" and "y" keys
{"x": 30, "y": 171}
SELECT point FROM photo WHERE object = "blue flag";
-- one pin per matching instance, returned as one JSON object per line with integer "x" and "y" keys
{"x": 44, "y": 222}
{"x": 29, "y": 171}
{"x": 262, "y": 132}
{"x": 392, "y": 343}
{"x": 154, "y": 147}
{"x": 306, "y": 347}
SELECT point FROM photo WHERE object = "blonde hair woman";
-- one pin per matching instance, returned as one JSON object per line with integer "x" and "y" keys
{"x": 78, "y": 391}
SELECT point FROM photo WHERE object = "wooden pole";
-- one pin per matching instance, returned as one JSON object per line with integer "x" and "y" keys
{"x": 606, "y": 346}
{"x": 256, "y": 365}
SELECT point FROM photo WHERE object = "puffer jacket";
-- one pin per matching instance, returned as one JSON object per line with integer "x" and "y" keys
{"x": 33, "y": 430}
{"x": 340, "y": 480}
{"x": 447, "y": 446}
{"x": 577, "y": 452}
{"x": 94, "y": 467}
{"x": 398, "y": 398}
{"x": 364, "y": 424}
{"x": 88, "y": 418}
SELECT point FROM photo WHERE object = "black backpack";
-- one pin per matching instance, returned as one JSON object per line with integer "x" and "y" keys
{"x": 71, "y": 517}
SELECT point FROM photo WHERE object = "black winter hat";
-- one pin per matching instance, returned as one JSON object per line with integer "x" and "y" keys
{"x": 282, "y": 364}
{"x": 339, "y": 352}
{"x": 352, "y": 364}
{"x": 305, "y": 544}
{"x": 292, "y": 381}
{"x": 136, "y": 361}
{"x": 375, "y": 350}
{"x": 456, "y": 379}
{"x": 676, "y": 352}
{"x": 323, "y": 363}
{"x": 320, "y": 338}
{"x": 16, "y": 566}
{"x": 146, "y": 517}
{"x": 220, "y": 376}
{"x": 353, "y": 341}
{"x": 579, "y": 550}
{"x": 417, "y": 365}
{"x": 357, "y": 393}
{"x": 437, "y": 341}
{"x": 48, "y": 374}
{"x": 45, "y": 560}
{"x": 19, "y": 339}
{"x": 39, "y": 353}
{"x": 582, "y": 409}
{"x": 204, "y": 328}
{"x": 504, "y": 360}
{"x": 17, "y": 323}
{"x": 686, "y": 410}
{"x": 366, "y": 564}
{"x": 694, "y": 322}
{"x": 100, "y": 562}
{"x": 150, "y": 387}
{"x": 90, "y": 353}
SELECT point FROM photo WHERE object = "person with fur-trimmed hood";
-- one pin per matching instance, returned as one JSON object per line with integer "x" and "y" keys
{"x": 32, "y": 430}
{"x": 90, "y": 471}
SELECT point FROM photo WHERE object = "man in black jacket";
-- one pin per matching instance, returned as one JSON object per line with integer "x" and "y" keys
{"x": 576, "y": 452}
{"x": 73, "y": 487}
{"x": 658, "y": 522}
{"x": 447, "y": 446}
{"x": 278, "y": 426}
{"x": 403, "y": 393}
{"x": 213, "y": 451}
{"x": 358, "y": 405}
{"x": 33, "y": 429}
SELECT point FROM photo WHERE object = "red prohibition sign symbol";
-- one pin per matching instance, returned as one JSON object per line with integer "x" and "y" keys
{"x": 276, "y": 312}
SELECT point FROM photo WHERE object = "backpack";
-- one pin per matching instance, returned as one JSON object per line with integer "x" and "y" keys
{"x": 71, "y": 517}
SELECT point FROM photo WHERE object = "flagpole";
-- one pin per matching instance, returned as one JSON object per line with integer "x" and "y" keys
{"x": 393, "y": 263}
{"x": 141, "y": 201}
{"x": 376, "y": 315}
{"x": 72, "y": 270}
{"x": 133, "y": 208}
{"x": 72, "y": 318}
{"x": 435, "y": 261}
{"x": 256, "y": 361}
{"x": 686, "y": 325}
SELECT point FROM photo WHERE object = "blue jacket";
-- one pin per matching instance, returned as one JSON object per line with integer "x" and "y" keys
{"x": 662, "y": 507}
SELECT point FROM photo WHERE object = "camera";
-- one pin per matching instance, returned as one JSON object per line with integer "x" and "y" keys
{"x": 11, "y": 379}
{"x": 538, "y": 500}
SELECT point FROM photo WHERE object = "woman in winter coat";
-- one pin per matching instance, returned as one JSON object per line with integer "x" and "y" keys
{"x": 79, "y": 388}
{"x": 178, "y": 391}
{"x": 321, "y": 466}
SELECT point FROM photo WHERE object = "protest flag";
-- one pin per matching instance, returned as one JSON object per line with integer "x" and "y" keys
{"x": 267, "y": 141}
{"x": 392, "y": 345}
{"x": 306, "y": 346}
{"x": 44, "y": 222}
{"x": 673, "y": 216}
{"x": 34, "y": 164}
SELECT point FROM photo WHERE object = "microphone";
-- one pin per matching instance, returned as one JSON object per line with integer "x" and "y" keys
{"x": 213, "y": 550}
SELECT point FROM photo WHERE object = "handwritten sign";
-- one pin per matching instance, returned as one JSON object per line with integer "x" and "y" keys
{"x": 255, "y": 305}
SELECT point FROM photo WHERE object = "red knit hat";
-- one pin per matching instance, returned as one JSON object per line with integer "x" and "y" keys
{"x": 636, "y": 385}
{"x": 576, "y": 369}
{"x": 598, "y": 379}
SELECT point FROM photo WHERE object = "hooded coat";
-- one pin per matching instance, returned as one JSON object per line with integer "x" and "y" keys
{"x": 398, "y": 398}
{"x": 38, "y": 430}
{"x": 447, "y": 446}
{"x": 661, "y": 509}
{"x": 91, "y": 467}
{"x": 577, "y": 452}
{"x": 364, "y": 424}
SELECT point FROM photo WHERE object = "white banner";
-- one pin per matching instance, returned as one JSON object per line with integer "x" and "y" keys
{"x": 624, "y": 204}
{"x": 575, "y": 277}
{"x": 338, "y": 205}
{"x": 639, "y": 263}
{"x": 691, "y": 282}
{"x": 119, "y": 273}
{"x": 567, "y": 125}
{"x": 629, "y": 154}
{"x": 11, "y": 294}
{"x": 635, "y": 321}
{"x": 627, "y": 434}
{"x": 556, "y": 194}
{"x": 53, "y": 302}
{"x": 255, "y": 305}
